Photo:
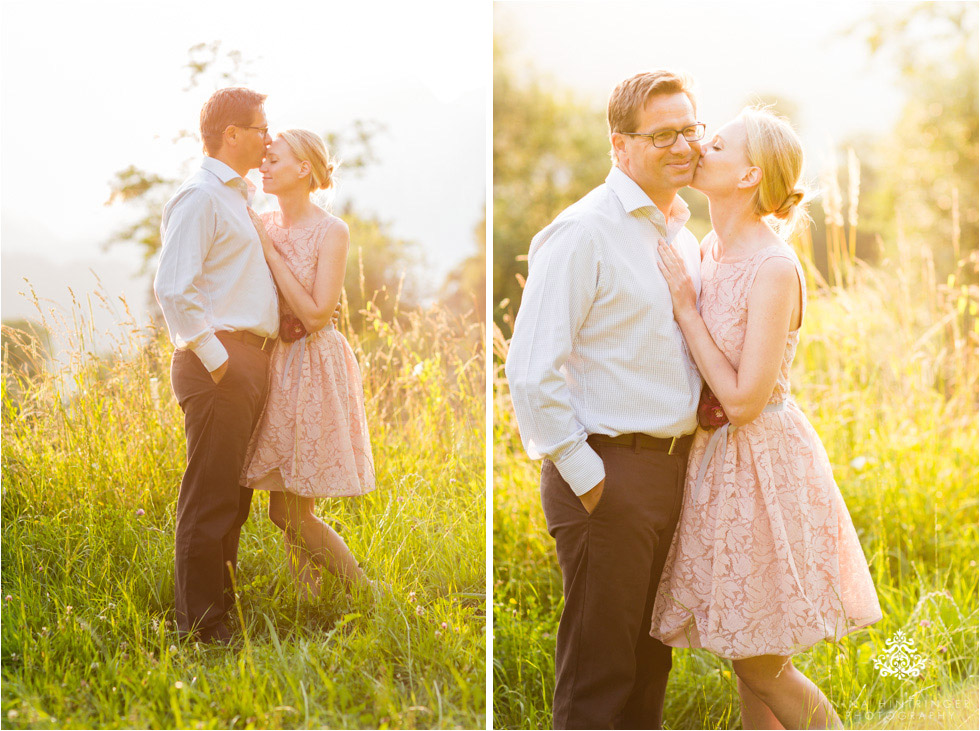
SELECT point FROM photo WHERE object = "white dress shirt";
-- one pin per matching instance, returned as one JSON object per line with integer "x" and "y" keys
{"x": 596, "y": 349}
{"x": 212, "y": 274}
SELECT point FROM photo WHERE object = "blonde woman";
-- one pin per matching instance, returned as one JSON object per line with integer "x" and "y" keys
{"x": 312, "y": 440}
{"x": 765, "y": 561}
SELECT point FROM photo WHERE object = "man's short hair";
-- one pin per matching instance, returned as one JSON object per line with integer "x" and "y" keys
{"x": 632, "y": 95}
{"x": 234, "y": 105}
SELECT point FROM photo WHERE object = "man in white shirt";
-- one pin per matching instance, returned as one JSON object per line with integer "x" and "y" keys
{"x": 220, "y": 304}
{"x": 605, "y": 390}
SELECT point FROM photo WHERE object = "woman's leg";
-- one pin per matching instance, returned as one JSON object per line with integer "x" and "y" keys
{"x": 793, "y": 699}
{"x": 305, "y": 574}
{"x": 323, "y": 544}
{"x": 755, "y": 713}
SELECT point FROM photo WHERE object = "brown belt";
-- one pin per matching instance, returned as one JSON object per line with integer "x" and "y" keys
{"x": 670, "y": 445}
{"x": 249, "y": 338}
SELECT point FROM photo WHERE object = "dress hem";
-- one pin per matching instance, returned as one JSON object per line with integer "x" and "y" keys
{"x": 684, "y": 639}
{"x": 251, "y": 484}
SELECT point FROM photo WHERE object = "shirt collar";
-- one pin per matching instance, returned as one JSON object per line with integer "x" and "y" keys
{"x": 226, "y": 175}
{"x": 632, "y": 198}
{"x": 222, "y": 170}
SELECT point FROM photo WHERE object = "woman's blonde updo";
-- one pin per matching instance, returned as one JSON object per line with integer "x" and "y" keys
{"x": 307, "y": 146}
{"x": 773, "y": 146}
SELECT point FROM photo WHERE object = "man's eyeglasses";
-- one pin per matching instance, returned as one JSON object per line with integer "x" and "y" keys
{"x": 667, "y": 137}
{"x": 263, "y": 130}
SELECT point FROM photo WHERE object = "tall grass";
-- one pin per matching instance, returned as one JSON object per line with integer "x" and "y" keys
{"x": 92, "y": 460}
{"x": 887, "y": 373}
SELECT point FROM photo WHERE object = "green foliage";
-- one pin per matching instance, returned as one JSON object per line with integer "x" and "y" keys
{"x": 91, "y": 464}
{"x": 548, "y": 151}
{"x": 465, "y": 288}
{"x": 929, "y": 162}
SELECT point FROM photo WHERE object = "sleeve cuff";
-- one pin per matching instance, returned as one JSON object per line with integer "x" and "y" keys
{"x": 211, "y": 352}
{"x": 581, "y": 468}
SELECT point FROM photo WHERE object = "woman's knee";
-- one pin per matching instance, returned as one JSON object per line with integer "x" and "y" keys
{"x": 760, "y": 674}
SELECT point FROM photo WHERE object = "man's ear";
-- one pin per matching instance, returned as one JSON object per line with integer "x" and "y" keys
{"x": 230, "y": 135}
{"x": 619, "y": 144}
{"x": 750, "y": 178}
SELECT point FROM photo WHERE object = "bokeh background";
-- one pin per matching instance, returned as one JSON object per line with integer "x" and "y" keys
{"x": 884, "y": 96}
{"x": 100, "y": 127}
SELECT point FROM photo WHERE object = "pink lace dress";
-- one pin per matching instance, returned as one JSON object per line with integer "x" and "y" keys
{"x": 765, "y": 559}
{"x": 312, "y": 438}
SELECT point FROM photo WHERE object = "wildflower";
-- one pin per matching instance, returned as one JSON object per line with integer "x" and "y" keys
{"x": 444, "y": 625}
{"x": 438, "y": 633}
{"x": 417, "y": 370}
{"x": 178, "y": 685}
{"x": 947, "y": 594}
{"x": 942, "y": 648}
{"x": 173, "y": 648}
{"x": 973, "y": 564}
{"x": 858, "y": 463}
{"x": 68, "y": 609}
{"x": 8, "y": 598}
{"x": 419, "y": 610}
{"x": 411, "y": 596}
{"x": 12, "y": 714}
{"x": 140, "y": 512}
{"x": 925, "y": 623}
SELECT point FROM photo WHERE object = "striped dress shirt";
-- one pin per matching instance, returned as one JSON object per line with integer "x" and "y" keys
{"x": 596, "y": 349}
{"x": 212, "y": 274}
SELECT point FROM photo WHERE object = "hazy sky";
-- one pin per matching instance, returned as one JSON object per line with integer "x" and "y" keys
{"x": 90, "y": 88}
{"x": 733, "y": 49}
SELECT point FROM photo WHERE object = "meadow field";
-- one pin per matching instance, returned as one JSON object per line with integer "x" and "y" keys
{"x": 92, "y": 461}
{"x": 887, "y": 373}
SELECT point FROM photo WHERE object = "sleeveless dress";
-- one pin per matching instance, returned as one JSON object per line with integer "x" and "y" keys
{"x": 765, "y": 559}
{"x": 312, "y": 438}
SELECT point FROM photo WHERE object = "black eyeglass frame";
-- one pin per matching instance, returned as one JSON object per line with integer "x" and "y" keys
{"x": 675, "y": 132}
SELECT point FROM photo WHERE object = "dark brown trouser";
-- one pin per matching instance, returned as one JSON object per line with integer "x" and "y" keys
{"x": 609, "y": 671}
{"x": 212, "y": 506}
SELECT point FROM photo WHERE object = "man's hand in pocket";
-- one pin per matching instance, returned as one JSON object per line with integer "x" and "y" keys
{"x": 218, "y": 373}
{"x": 591, "y": 498}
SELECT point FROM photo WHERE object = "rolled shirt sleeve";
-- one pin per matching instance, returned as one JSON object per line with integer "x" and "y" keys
{"x": 564, "y": 271}
{"x": 187, "y": 232}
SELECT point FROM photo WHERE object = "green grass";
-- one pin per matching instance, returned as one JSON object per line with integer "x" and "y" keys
{"x": 893, "y": 396}
{"x": 90, "y": 481}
